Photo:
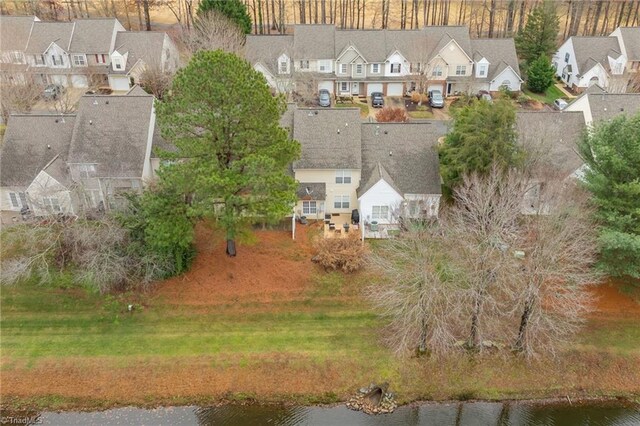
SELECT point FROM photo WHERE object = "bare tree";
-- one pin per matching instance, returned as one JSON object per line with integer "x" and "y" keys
{"x": 154, "y": 80}
{"x": 19, "y": 97}
{"x": 212, "y": 31}
{"x": 419, "y": 291}
{"x": 558, "y": 245}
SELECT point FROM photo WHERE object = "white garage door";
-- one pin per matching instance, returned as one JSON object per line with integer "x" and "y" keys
{"x": 328, "y": 85}
{"x": 435, "y": 87}
{"x": 79, "y": 81}
{"x": 373, "y": 87}
{"x": 394, "y": 89}
{"x": 119, "y": 82}
{"x": 60, "y": 79}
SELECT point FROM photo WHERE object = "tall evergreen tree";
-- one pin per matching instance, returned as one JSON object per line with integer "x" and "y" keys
{"x": 539, "y": 34}
{"x": 232, "y": 155}
{"x": 612, "y": 154}
{"x": 541, "y": 75}
{"x": 235, "y": 10}
{"x": 482, "y": 135}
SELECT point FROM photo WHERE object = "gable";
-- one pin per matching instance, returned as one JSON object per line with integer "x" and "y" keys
{"x": 506, "y": 74}
{"x": 382, "y": 192}
{"x": 349, "y": 55}
{"x": 452, "y": 53}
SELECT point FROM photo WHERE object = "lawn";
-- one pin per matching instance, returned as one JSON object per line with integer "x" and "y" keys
{"x": 302, "y": 339}
{"x": 420, "y": 114}
{"x": 550, "y": 95}
{"x": 364, "y": 108}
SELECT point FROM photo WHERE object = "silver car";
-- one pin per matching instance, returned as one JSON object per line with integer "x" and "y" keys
{"x": 324, "y": 98}
{"x": 436, "y": 100}
{"x": 560, "y": 104}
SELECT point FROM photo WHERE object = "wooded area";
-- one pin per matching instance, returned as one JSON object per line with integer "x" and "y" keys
{"x": 485, "y": 18}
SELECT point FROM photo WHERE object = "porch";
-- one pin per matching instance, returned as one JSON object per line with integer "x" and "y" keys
{"x": 338, "y": 225}
{"x": 380, "y": 230}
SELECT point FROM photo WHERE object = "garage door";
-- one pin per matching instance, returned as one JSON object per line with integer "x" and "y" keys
{"x": 60, "y": 79}
{"x": 373, "y": 87}
{"x": 119, "y": 82}
{"x": 394, "y": 89}
{"x": 79, "y": 81}
{"x": 328, "y": 85}
{"x": 435, "y": 87}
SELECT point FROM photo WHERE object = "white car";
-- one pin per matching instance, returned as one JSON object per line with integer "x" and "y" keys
{"x": 560, "y": 104}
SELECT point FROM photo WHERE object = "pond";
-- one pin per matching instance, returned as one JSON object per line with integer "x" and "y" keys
{"x": 436, "y": 414}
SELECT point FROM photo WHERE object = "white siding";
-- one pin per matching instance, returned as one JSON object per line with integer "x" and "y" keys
{"x": 394, "y": 89}
{"x": 508, "y": 75}
{"x": 396, "y": 58}
{"x": 597, "y": 72}
{"x": 380, "y": 194}
{"x": 44, "y": 186}
{"x": 582, "y": 104}
{"x": 5, "y": 198}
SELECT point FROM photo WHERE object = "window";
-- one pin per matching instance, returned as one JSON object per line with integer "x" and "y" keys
{"x": 309, "y": 207}
{"x": 566, "y": 57}
{"x": 379, "y": 212}
{"x": 79, "y": 60}
{"x": 52, "y": 204}
{"x": 341, "y": 202}
{"x": 375, "y": 68}
{"x": 482, "y": 71}
{"x": 395, "y": 68}
{"x": 39, "y": 59}
{"x": 437, "y": 71}
{"x": 18, "y": 199}
{"x": 461, "y": 69}
{"x": 324, "y": 66}
{"x": 86, "y": 170}
{"x": 416, "y": 67}
{"x": 101, "y": 59}
{"x": 343, "y": 176}
{"x": 284, "y": 67}
{"x": 304, "y": 65}
{"x": 344, "y": 86}
{"x": 358, "y": 68}
{"x": 506, "y": 84}
{"x": 117, "y": 63}
{"x": 343, "y": 68}
{"x": 57, "y": 60}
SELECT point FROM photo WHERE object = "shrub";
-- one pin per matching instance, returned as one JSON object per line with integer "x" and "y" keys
{"x": 523, "y": 99}
{"x": 345, "y": 254}
{"x": 541, "y": 74}
{"x": 418, "y": 97}
{"x": 392, "y": 115}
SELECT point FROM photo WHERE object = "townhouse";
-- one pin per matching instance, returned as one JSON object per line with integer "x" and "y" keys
{"x": 83, "y": 53}
{"x": 394, "y": 62}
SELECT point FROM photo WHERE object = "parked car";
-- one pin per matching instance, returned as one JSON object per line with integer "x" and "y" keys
{"x": 324, "y": 98}
{"x": 483, "y": 94}
{"x": 436, "y": 100}
{"x": 53, "y": 91}
{"x": 560, "y": 104}
{"x": 377, "y": 100}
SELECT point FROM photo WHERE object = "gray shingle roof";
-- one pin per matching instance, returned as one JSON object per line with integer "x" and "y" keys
{"x": 112, "y": 131}
{"x": 330, "y": 138}
{"x": 312, "y": 191}
{"x": 93, "y": 35}
{"x": 314, "y": 41}
{"x": 439, "y": 36}
{"x": 552, "y": 136}
{"x": 500, "y": 52}
{"x": 371, "y": 44}
{"x": 14, "y": 32}
{"x": 30, "y": 143}
{"x": 605, "y": 106}
{"x": 266, "y": 49}
{"x": 589, "y": 50}
{"x": 407, "y": 153}
{"x": 631, "y": 38}
{"x": 44, "y": 33}
{"x": 141, "y": 45}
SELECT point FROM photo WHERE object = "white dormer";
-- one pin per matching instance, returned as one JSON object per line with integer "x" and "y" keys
{"x": 616, "y": 65}
{"x": 56, "y": 57}
{"x": 284, "y": 64}
{"x": 396, "y": 65}
{"x": 482, "y": 68}
{"x": 118, "y": 61}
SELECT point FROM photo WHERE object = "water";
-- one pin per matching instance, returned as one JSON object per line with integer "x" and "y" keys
{"x": 436, "y": 414}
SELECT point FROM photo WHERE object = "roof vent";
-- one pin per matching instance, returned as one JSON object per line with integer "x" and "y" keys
{"x": 56, "y": 120}
{"x": 95, "y": 101}
{"x": 346, "y": 124}
{"x": 621, "y": 109}
{"x": 390, "y": 153}
{"x": 315, "y": 112}
{"x": 338, "y": 131}
{"x": 386, "y": 132}
{"x": 310, "y": 113}
{"x": 48, "y": 146}
{"x": 107, "y": 102}
{"x": 90, "y": 121}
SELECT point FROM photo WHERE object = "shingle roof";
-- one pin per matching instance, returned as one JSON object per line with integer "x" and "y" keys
{"x": 314, "y": 41}
{"x": 141, "y": 45}
{"x": 631, "y": 39}
{"x": 112, "y": 131}
{"x": 266, "y": 49}
{"x": 44, "y": 33}
{"x": 329, "y": 138}
{"x": 439, "y": 36}
{"x": 30, "y": 143}
{"x": 93, "y": 35}
{"x": 371, "y": 44}
{"x": 605, "y": 106}
{"x": 406, "y": 152}
{"x": 14, "y": 32}
{"x": 500, "y": 52}
{"x": 312, "y": 191}
{"x": 552, "y": 136}
{"x": 589, "y": 50}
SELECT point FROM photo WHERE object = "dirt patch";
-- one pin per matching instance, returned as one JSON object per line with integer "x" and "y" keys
{"x": 610, "y": 301}
{"x": 274, "y": 267}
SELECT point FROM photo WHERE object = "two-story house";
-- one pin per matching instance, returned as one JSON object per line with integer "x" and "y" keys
{"x": 14, "y": 36}
{"x": 394, "y": 62}
{"x": 81, "y": 162}
{"x": 629, "y": 40}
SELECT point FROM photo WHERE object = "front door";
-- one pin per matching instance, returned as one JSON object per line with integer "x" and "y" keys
{"x": 449, "y": 88}
{"x": 355, "y": 88}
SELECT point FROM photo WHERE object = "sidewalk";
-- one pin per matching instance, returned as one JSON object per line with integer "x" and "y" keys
{"x": 563, "y": 90}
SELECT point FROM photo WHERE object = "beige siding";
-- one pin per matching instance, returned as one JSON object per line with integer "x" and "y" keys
{"x": 328, "y": 176}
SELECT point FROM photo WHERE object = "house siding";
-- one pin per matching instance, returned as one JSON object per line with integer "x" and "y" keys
{"x": 328, "y": 177}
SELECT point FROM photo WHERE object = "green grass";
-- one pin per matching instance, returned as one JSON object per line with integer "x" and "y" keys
{"x": 364, "y": 108}
{"x": 550, "y": 95}
{"x": 420, "y": 114}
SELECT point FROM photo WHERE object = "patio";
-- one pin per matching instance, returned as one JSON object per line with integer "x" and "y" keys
{"x": 383, "y": 231}
{"x": 339, "y": 226}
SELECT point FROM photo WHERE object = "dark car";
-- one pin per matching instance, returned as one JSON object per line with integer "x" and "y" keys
{"x": 377, "y": 101}
{"x": 324, "y": 98}
{"x": 483, "y": 94}
{"x": 436, "y": 100}
{"x": 52, "y": 91}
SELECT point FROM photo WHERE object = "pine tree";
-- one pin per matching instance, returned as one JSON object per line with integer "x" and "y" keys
{"x": 232, "y": 155}
{"x": 541, "y": 75}
{"x": 232, "y": 9}
{"x": 539, "y": 34}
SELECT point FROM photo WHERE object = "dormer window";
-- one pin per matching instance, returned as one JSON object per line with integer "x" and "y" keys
{"x": 283, "y": 64}
{"x": 39, "y": 59}
{"x": 395, "y": 68}
{"x": 482, "y": 70}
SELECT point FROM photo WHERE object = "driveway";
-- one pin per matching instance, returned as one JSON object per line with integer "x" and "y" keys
{"x": 67, "y": 102}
